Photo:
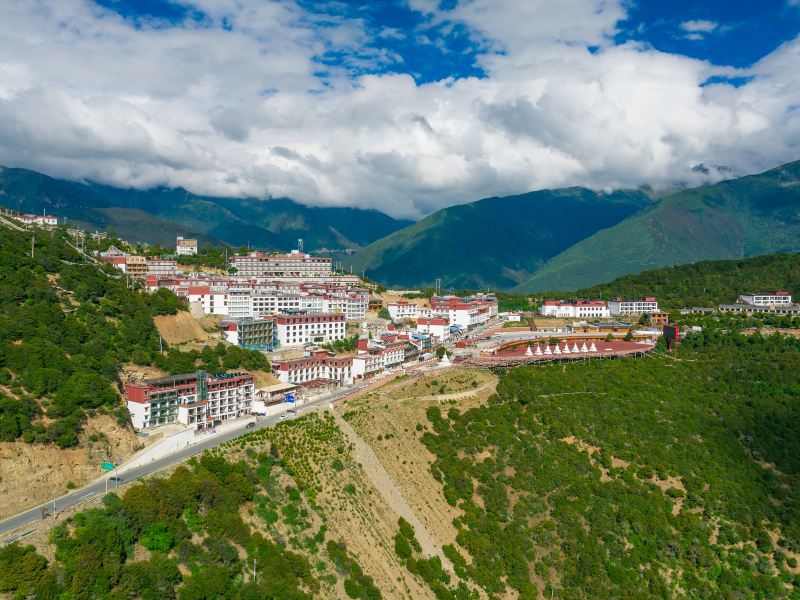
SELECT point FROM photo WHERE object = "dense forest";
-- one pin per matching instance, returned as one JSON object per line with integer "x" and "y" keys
{"x": 66, "y": 328}
{"x": 706, "y": 283}
{"x": 671, "y": 475}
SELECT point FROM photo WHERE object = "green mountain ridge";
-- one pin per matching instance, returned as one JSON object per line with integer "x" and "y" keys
{"x": 495, "y": 242}
{"x": 157, "y": 215}
{"x": 737, "y": 218}
{"x": 706, "y": 283}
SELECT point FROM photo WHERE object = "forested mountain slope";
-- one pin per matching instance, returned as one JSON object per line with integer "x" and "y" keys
{"x": 66, "y": 328}
{"x": 757, "y": 214}
{"x": 706, "y": 283}
{"x": 637, "y": 478}
{"x": 495, "y": 242}
{"x": 159, "y": 214}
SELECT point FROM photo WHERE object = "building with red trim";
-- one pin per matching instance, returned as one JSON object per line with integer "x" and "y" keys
{"x": 294, "y": 264}
{"x": 198, "y": 400}
{"x": 310, "y": 328}
{"x": 575, "y": 309}
{"x": 466, "y": 312}
{"x": 316, "y": 366}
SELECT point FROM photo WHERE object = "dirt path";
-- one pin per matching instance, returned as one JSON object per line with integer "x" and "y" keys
{"x": 456, "y": 395}
{"x": 384, "y": 483}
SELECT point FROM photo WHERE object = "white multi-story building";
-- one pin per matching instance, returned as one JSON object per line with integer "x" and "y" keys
{"x": 311, "y": 328}
{"x": 619, "y": 307}
{"x": 776, "y": 299}
{"x": 214, "y": 302}
{"x": 161, "y": 267}
{"x": 435, "y": 326}
{"x": 198, "y": 400}
{"x": 403, "y": 310}
{"x": 467, "y": 312}
{"x": 185, "y": 246}
{"x": 40, "y": 220}
{"x": 575, "y": 309}
{"x": 317, "y": 366}
{"x": 295, "y": 264}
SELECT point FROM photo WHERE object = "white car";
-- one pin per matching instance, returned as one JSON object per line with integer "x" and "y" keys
{"x": 284, "y": 416}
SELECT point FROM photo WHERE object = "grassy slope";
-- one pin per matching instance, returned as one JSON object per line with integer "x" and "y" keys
{"x": 495, "y": 242}
{"x": 732, "y": 219}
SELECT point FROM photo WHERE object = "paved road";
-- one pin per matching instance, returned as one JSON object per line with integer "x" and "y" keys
{"x": 31, "y": 516}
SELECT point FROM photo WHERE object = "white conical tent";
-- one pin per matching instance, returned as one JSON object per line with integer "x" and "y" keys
{"x": 528, "y": 352}
{"x": 592, "y": 348}
{"x": 566, "y": 348}
{"x": 538, "y": 351}
{"x": 575, "y": 347}
{"x": 547, "y": 350}
{"x": 584, "y": 348}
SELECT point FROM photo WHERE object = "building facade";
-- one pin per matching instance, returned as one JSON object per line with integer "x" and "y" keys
{"x": 136, "y": 266}
{"x": 185, "y": 246}
{"x": 162, "y": 267}
{"x": 197, "y": 400}
{"x": 296, "y": 263}
{"x": 402, "y": 310}
{"x": 767, "y": 299}
{"x": 435, "y": 326}
{"x": 466, "y": 312}
{"x": 310, "y": 328}
{"x": 575, "y": 309}
{"x": 619, "y": 307}
{"x": 318, "y": 366}
{"x": 39, "y": 220}
{"x": 250, "y": 333}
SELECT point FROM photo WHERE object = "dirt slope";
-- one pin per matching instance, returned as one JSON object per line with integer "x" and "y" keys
{"x": 32, "y": 473}
{"x": 183, "y": 328}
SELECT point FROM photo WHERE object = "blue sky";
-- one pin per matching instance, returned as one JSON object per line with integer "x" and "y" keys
{"x": 733, "y": 33}
{"x": 404, "y": 106}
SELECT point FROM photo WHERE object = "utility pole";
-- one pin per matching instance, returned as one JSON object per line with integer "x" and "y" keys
{"x": 255, "y": 573}
{"x": 33, "y": 245}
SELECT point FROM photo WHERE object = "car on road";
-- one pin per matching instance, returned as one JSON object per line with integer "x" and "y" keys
{"x": 250, "y": 425}
{"x": 284, "y": 416}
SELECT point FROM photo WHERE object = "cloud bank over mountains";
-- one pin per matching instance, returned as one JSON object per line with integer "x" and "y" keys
{"x": 261, "y": 98}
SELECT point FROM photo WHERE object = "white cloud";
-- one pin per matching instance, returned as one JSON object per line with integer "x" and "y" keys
{"x": 235, "y": 105}
{"x": 699, "y": 26}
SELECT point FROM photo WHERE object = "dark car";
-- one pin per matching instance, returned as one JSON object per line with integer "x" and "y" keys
{"x": 250, "y": 425}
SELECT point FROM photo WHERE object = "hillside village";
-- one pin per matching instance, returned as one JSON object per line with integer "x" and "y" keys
{"x": 325, "y": 330}
{"x": 334, "y": 341}
{"x": 399, "y": 300}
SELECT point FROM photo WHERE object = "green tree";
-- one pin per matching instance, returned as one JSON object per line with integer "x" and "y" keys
{"x": 158, "y": 538}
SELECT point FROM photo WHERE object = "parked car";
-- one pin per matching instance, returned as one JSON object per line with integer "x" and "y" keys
{"x": 250, "y": 425}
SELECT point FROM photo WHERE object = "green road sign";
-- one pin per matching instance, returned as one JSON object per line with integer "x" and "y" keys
{"x": 107, "y": 466}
